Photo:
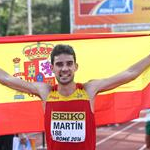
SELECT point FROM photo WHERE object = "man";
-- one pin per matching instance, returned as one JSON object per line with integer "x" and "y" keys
{"x": 69, "y": 119}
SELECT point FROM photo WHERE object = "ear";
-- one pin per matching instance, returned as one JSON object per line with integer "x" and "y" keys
{"x": 52, "y": 68}
{"x": 76, "y": 67}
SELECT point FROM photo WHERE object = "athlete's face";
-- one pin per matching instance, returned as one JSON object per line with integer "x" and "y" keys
{"x": 64, "y": 68}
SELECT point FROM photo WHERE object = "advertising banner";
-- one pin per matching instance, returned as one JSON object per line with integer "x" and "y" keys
{"x": 110, "y": 15}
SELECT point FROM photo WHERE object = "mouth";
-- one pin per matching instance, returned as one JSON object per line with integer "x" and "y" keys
{"x": 65, "y": 75}
{"x": 65, "y": 78}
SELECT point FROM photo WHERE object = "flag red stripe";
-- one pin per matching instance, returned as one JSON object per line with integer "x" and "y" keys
{"x": 120, "y": 107}
{"x": 21, "y": 117}
{"x": 62, "y": 37}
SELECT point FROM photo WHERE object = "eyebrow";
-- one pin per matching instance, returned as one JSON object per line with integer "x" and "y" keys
{"x": 60, "y": 62}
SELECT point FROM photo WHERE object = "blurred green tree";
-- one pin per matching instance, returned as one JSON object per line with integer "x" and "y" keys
{"x": 65, "y": 18}
{"x": 48, "y": 17}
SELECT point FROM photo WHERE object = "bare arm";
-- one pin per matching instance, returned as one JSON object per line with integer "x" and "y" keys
{"x": 95, "y": 86}
{"x": 36, "y": 88}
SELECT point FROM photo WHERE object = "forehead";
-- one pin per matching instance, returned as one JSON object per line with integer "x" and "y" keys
{"x": 63, "y": 58}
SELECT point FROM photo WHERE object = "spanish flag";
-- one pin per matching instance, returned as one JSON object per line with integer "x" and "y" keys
{"x": 98, "y": 55}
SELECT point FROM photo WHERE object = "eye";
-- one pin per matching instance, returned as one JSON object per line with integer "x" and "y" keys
{"x": 59, "y": 64}
{"x": 69, "y": 63}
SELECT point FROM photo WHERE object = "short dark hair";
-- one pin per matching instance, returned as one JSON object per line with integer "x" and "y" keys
{"x": 62, "y": 49}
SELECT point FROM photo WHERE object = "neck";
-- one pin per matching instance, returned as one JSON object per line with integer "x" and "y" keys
{"x": 66, "y": 90}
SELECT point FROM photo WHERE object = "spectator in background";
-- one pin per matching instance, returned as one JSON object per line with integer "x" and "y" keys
{"x": 6, "y": 142}
{"x": 147, "y": 129}
{"x": 147, "y": 136}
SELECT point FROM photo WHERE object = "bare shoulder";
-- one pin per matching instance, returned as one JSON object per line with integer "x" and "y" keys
{"x": 92, "y": 87}
{"x": 43, "y": 89}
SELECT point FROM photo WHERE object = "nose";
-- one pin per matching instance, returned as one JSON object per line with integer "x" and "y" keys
{"x": 65, "y": 67}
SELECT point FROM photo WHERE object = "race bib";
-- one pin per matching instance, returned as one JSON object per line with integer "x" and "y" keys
{"x": 68, "y": 126}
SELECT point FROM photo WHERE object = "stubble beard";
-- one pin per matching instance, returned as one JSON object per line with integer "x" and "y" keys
{"x": 65, "y": 83}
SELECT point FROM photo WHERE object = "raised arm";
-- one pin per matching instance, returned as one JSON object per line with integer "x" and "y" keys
{"x": 36, "y": 88}
{"x": 95, "y": 86}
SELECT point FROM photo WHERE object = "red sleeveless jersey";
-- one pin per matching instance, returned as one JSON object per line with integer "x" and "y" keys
{"x": 69, "y": 121}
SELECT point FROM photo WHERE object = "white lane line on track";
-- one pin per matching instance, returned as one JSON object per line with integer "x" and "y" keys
{"x": 116, "y": 133}
{"x": 143, "y": 147}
